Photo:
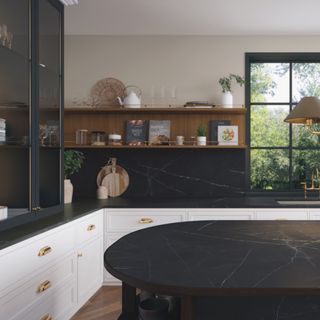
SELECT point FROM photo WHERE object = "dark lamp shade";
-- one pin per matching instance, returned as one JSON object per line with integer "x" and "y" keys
{"x": 307, "y": 108}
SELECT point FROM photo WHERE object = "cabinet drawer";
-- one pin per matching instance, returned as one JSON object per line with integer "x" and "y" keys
{"x": 200, "y": 215}
{"x": 38, "y": 288}
{"x": 58, "y": 305}
{"x": 17, "y": 265}
{"x": 131, "y": 220}
{"x": 90, "y": 227}
{"x": 282, "y": 215}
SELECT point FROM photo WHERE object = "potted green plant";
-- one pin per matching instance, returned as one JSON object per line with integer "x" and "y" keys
{"x": 225, "y": 82}
{"x": 201, "y": 135}
{"x": 72, "y": 163}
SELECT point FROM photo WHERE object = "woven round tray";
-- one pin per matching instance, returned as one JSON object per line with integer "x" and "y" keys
{"x": 107, "y": 90}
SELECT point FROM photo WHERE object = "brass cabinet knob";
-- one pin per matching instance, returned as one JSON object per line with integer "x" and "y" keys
{"x": 44, "y": 286}
{"x": 145, "y": 220}
{"x": 47, "y": 317}
{"x": 80, "y": 254}
{"x": 91, "y": 227}
{"x": 45, "y": 250}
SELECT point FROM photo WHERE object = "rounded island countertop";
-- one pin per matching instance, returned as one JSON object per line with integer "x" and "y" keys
{"x": 215, "y": 257}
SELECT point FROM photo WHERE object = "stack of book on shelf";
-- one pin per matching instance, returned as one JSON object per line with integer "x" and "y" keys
{"x": 198, "y": 104}
{"x": 155, "y": 132}
{"x": 2, "y": 131}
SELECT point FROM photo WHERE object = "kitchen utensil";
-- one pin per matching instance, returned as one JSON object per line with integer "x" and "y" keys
{"x": 106, "y": 91}
{"x": 133, "y": 99}
{"x": 114, "y": 178}
{"x": 98, "y": 138}
{"x": 81, "y": 136}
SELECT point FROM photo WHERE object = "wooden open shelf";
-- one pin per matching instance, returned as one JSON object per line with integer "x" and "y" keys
{"x": 166, "y": 110}
{"x": 184, "y": 121}
{"x": 77, "y": 146}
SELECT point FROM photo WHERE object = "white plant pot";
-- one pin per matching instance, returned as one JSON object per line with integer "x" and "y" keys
{"x": 68, "y": 191}
{"x": 201, "y": 141}
{"x": 227, "y": 99}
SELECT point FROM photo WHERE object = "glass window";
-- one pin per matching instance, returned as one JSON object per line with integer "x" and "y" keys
{"x": 281, "y": 155}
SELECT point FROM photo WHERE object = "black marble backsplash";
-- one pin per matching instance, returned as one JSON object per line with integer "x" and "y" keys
{"x": 198, "y": 173}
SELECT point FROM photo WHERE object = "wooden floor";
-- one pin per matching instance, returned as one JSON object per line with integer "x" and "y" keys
{"x": 104, "y": 305}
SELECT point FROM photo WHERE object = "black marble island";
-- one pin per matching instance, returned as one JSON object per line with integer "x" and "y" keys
{"x": 224, "y": 269}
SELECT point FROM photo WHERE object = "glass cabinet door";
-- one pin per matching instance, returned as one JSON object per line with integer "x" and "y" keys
{"x": 50, "y": 77}
{"x": 15, "y": 110}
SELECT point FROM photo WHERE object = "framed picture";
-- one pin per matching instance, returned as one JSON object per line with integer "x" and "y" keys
{"x": 227, "y": 135}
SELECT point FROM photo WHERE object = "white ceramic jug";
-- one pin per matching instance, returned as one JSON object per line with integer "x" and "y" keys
{"x": 132, "y": 100}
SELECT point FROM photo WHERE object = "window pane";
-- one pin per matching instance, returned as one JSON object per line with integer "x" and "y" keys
{"x": 269, "y": 169}
{"x": 305, "y": 80}
{"x": 302, "y": 137}
{"x": 303, "y": 163}
{"x": 267, "y": 126}
{"x": 270, "y": 82}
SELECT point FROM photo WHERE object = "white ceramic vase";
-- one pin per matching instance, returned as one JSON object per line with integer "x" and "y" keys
{"x": 227, "y": 99}
{"x": 68, "y": 191}
{"x": 201, "y": 141}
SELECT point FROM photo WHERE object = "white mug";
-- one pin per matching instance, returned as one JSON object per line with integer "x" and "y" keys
{"x": 180, "y": 140}
{"x": 102, "y": 192}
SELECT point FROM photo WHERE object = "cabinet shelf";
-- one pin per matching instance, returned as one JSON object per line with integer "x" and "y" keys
{"x": 77, "y": 146}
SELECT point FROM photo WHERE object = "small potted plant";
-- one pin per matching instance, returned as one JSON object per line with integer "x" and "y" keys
{"x": 72, "y": 163}
{"x": 201, "y": 135}
{"x": 225, "y": 82}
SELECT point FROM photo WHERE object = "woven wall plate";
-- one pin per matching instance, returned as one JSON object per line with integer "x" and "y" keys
{"x": 106, "y": 91}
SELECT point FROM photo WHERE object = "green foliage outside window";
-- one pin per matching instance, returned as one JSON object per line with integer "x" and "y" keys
{"x": 270, "y": 162}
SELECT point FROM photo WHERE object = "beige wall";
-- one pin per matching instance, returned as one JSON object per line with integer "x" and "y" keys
{"x": 192, "y": 64}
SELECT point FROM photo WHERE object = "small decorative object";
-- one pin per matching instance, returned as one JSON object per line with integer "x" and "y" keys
{"x": 180, "y": 140}
{"x": 114, "y": 178}
{"x": 201, "y": 135}
{"x": 133, "y": 99}
{"x": 98, "y": 138}
{"x": 136, "y": 132}
{"x": 106, "y": 91}
{"x": 198, "y": 104}
{"x": 225, "y": 82}
{"x": 193, "y": 140}
{"x": 2, "y": 131}
{"x": 53, "y": 133}
{"x": 159, "y": 132}
{"x": 72, "y": 163}
{"x": 3, "y": 212}
{"x": 114, "y": 139}
{"x": 213, "y": 124}
{"x": 102, "y": 193}
{"x": 81, "y": 136}
{"x": 228, "y": 135}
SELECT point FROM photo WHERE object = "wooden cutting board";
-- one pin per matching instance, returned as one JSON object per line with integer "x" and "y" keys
{"x": 114, "y": 178}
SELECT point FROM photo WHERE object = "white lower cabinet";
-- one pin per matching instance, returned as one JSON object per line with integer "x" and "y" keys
{"x": 51, "y": 276}
{"x": 90, "y": 266}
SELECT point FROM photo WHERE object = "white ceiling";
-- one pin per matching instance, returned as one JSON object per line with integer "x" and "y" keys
{"x": 194, "y": 17}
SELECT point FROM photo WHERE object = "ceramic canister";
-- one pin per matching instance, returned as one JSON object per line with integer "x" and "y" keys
{"x": 3, "y": 212}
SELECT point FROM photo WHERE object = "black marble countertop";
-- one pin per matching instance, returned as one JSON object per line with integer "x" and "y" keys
{"x": 85, "y": 206}
{"x": 214, "y": 257}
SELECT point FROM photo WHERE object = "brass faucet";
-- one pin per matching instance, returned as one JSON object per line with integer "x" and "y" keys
{"x": 314, "y": 177}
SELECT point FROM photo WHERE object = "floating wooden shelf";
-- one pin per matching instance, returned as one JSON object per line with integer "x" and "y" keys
{"x": 166, "y": 110}
{"x": 184, "y": 121}
{"x": 77, "y": 146}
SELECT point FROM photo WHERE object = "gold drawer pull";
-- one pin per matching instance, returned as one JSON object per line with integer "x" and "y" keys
{"x": 80, "y": 254}
{"x": 281, "y": 219}
{"x": 145, "y": 220}
{"x": 91, "y": 227}
{"x": 46, "y": 317}
{"x": 44, "y": 286}
{"x": 45, "y": 250}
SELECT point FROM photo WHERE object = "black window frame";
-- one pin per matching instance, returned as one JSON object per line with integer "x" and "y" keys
{"x": 273, "y": 57}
